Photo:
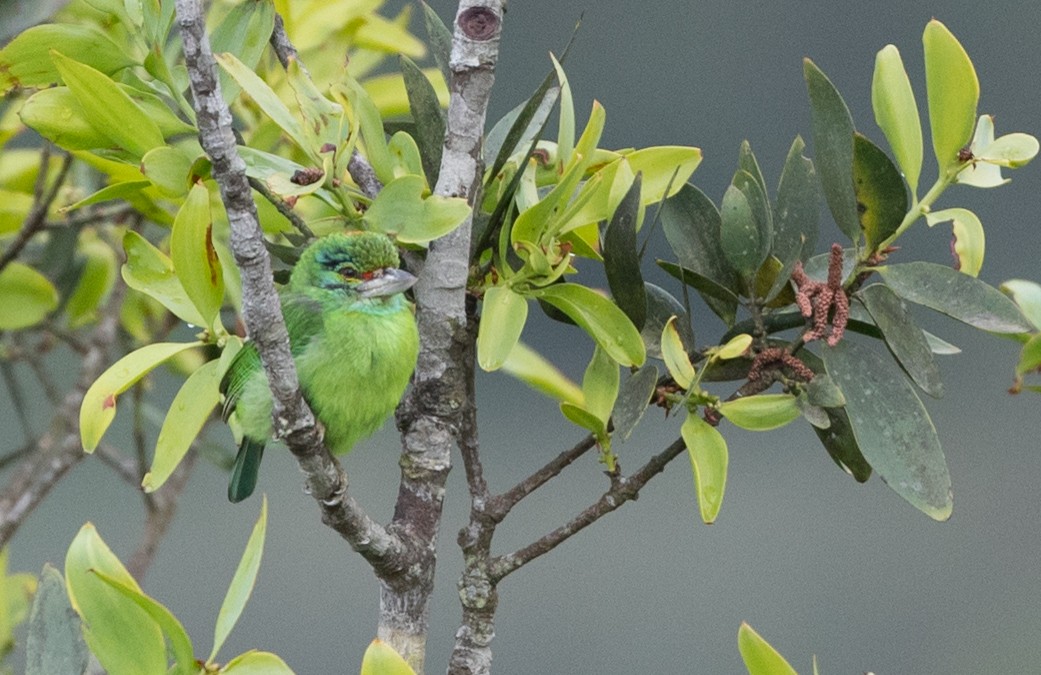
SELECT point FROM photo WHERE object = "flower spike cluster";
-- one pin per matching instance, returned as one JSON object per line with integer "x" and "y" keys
{"x": 817, "y": 299}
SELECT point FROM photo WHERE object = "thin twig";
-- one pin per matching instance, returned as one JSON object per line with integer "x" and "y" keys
{"x": 506, "y": 501}
{"x": 36, "y": 219}
{"x": 625, "y": 489}
{"x": 126, "y": 467}
{"x": 282, "y": 207}
{"x": 14, "y": 388}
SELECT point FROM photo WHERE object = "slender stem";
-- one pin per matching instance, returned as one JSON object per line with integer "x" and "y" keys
{"x": 36, "y": 219}
{"x": 551, "y": 469}
{"x": 624, "y": 490}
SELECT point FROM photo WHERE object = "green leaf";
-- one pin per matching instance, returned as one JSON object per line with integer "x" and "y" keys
{"x": 108, "y": 108}
{"x": 798, "y": 211}
{"x": 150, "y": 271}
{"x": 903, "y": 337}
{"x": 896, "y": 113}
{"x": 189, "y": 411}
{"x": 762, "y": 412}
{"x": 634, "y": 397}
{"x": 26, "y": 60}
{"x": 244, "y": 31}
{"x": 123, "y": 637}
{"x": 708, "y": 288}
{"x": 371, "y": 129}
{"x": 833, "y": 146}
{"x": 840, "y": 442}
{"x": 759, "y": 657}
{"x": 256, "y": 663}
{"x": 14, "y": 207}
{"x": 381, "y": 659}
{"x": 751, "y": 186}
{"x": 428, "y": 116}
{"x": 822, "y": 391}
{"x": 953, "y": 90}
{"x": 708, "y": 458}
{"x": 691, "y": 224}
{"x": 531, "y": 368}
{"x": 99, "y": 403}
{"x": 169, "y": 169}
{"x": 566, "y": 129}
{"x": 1027, "y": 295}
{"x": 600, "y": 318}
{"x": 28, "y": 297}
{"x": 95, "y": 282}
{"x": 893, "y": 431}
{"x": 54, "y": 643}
{"x": 439, "y": 37}
{"x": 1030, "y": 356}
{"x": 735, "y": 347}
{"x": 957, "y": 295}
{"x": 661, "y": 307}
{"x": 600, "y": 385}
{"x": 969, "y": 241}
{"x": 180, "y": 643}
{"x": 674, "y": 354}
{"x": 519, "y": 127}
{"x": 740, "y": 236}
{"x": 579, "y": 416}
{"x": 503, "y": 315}
{"x": 402, "y": 212}
{"x": 881, "y": 195}
{"x": 193, "y": 255}
{"x": 242, "y": 583}
{"x": 267, "y": 100}
{"x": 622, "y": 258}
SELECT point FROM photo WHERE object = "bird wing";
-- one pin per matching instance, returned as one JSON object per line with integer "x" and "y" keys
{"x": 303, "y": 318}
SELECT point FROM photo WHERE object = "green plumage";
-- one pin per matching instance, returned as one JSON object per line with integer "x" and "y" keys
{"x": 354, "y": 341}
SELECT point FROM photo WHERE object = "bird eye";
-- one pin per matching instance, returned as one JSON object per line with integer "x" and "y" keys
{"x": 348, "y": 272}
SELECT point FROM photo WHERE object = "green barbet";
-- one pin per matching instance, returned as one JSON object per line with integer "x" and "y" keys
{"x": 354, "y": 341}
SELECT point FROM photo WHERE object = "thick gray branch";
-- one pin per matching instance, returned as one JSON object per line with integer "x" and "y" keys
{"x": 261, "y": 311}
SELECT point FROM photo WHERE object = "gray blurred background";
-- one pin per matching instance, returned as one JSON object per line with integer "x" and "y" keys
{"x": 815, "y": 562}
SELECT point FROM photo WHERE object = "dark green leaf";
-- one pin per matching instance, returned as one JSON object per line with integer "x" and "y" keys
{"x": 707, "y": 287}
{"x": 428, "y": 116}
{"x": 661, "y": 306}
{"x": 691, "y": 224}
{"x": 841, "y": 444}
{"x": 881, "y": 195}
{"x": 798, "y": 212}
{"x": 633, "y": 399}
{"x": 822, "y": 391}
{"x": 892, "y": 428}
{"x": 833, "y": 146}
{"x": 957, "y": 295}
{"x": 622, "y": 259}
{"x": 746, "y": 162}
{"x": 740, "y": 235}
{"x": 54, "y": 642}
{"x": 753, "y": 191}
{"x": 903, "y": 337}
{"x": 440, "y": 39}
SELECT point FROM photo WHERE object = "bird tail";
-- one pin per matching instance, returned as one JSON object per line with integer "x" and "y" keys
{"x": 247, "y": 467}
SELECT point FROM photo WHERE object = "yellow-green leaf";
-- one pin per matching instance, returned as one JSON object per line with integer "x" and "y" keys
{"x": 28, "y": 297}
{"x": 600, "y": 318}
{"x": 123, "y": 637}
{"x": 953, "y": 93}
{"x": 26, "y": 60}
{"x": 530, "y": 367}
{"x": 193, "y": 255}
{"x": 403, "y": 213}
{"x": 99, "y": 403}
{"x": 256, "y": 663}
{"x": 735, "y": 347}
{"x": 381, "y": 659}
{"x": 896, "y": 113}
{"x": 709, "y": 458}
{"x": 759, "y": 657}
{"x": 762, "y": 412}
{"x": 242, "y": 583}
{"x": 168, "y": 168}
{"x": 95, "y": 283}
{"x": 266, "y": 98}
{"x": 14, "y": 207}
{"x": 675, "y": 355}
{"x": 600, "y": 385}
{"x": 503, "y": 315}
{"x": 188, "y": 413}
{"x": 108, "y": 108}
{"x": 968, "y": 237}
{"x": 150, "y": 271}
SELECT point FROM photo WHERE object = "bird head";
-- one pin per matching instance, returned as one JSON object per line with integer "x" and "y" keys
{"x": 357, "y": 264}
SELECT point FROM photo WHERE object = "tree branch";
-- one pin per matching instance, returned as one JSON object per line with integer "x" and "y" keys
{"x": 36, "y": 219}
{"x": 623, "y": 490}
{"x": 506, "y": 501}
{"x": 261, "y": 311}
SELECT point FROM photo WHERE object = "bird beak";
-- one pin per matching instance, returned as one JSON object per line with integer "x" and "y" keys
{"x": 391, "y": 281}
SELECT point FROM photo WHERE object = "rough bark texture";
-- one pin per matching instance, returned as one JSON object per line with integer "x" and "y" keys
{"x": 431, "y": 415}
